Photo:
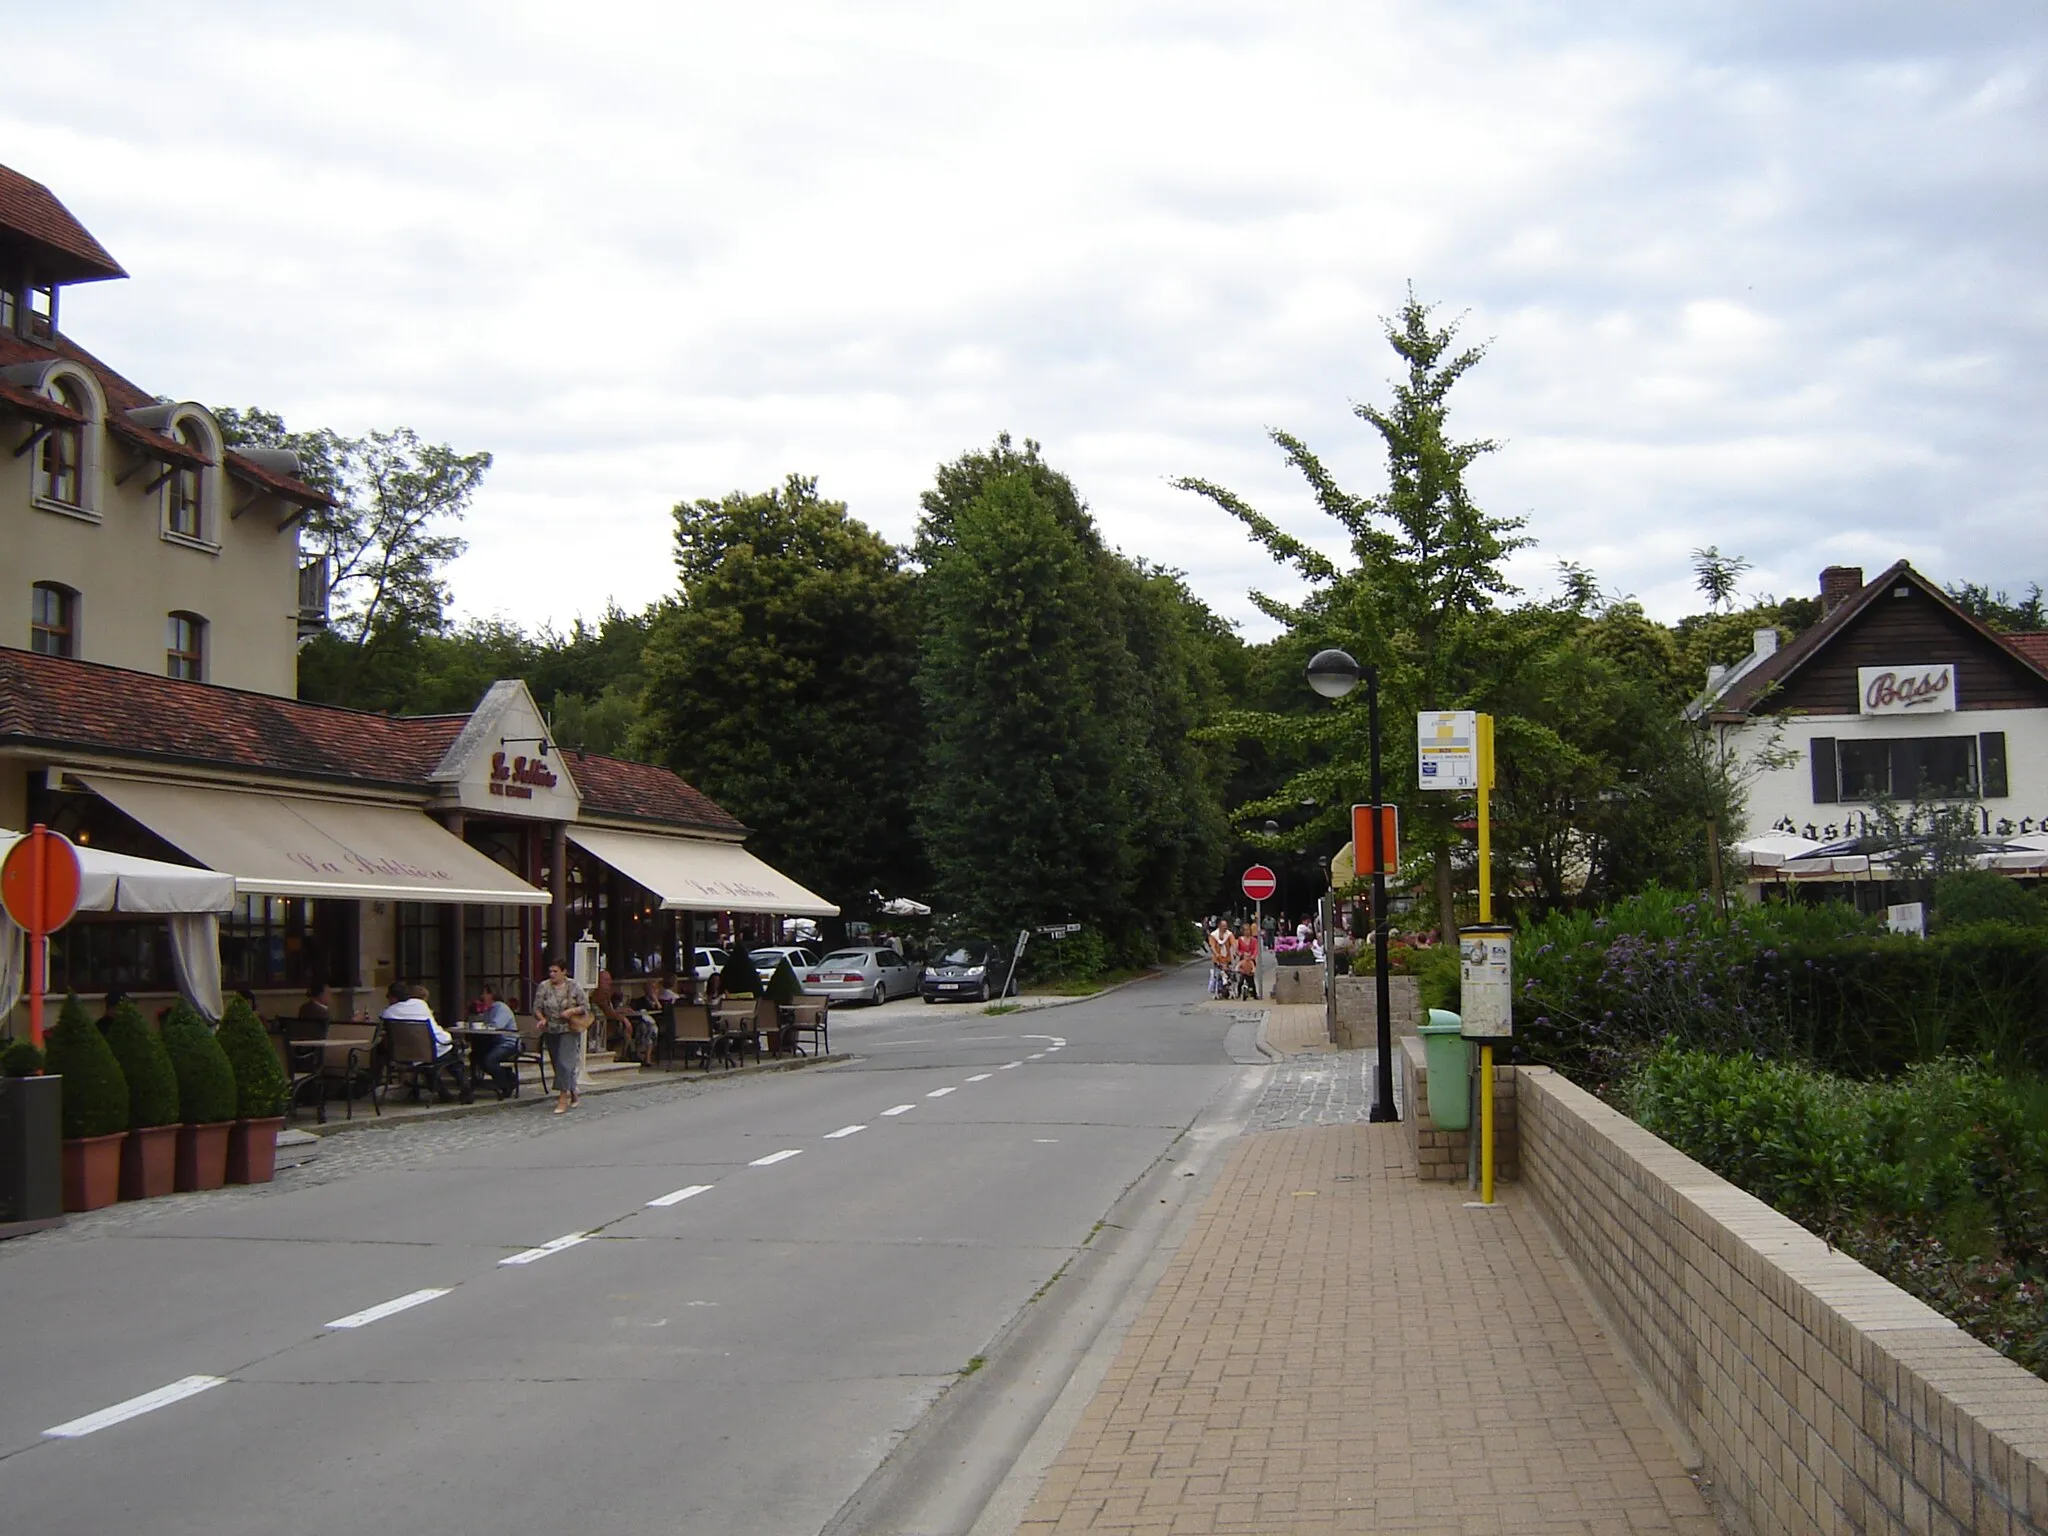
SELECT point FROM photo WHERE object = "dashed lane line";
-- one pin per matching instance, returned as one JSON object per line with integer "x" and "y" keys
{"x": 844, "y": 1130}
{"x": 1008, "y": 1065}
{"x": 553, "y": 1245}
{"x": 940, "y": 1093}
{"x": 390, "y": 1308}
{"x": 777, "y": 1157}
{"x": 678, "y": 1196}
{"x": 135, "y": 1407}
{"x": 981, "y": 1077}
{"x": 900, "y": 1109}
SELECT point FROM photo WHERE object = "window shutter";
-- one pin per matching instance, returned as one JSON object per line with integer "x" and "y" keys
{"x": 1991, "y": 765}
{"x": 1827, "y": 785}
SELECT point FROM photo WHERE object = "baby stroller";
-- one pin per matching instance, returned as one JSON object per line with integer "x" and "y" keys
{"x": 1219, "y": 981}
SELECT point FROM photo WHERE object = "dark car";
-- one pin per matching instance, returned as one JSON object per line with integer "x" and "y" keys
{"x": 972, "y": 968}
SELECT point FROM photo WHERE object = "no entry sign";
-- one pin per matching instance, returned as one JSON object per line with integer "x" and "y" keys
{"x": 39, "y": 884}
{"x": 1260, "y": 883}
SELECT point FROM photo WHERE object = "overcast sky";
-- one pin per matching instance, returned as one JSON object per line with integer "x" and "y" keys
{"x": 1766, "y": 276}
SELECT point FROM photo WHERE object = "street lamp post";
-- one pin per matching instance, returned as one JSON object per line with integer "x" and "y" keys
{"x": 1333, "y": 674}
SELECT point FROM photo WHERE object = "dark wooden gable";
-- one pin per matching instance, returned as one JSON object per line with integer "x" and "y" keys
{"x": 1917, "y": 629}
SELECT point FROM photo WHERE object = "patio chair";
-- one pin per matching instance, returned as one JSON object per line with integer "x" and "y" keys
{"x": 412, "y": 1059}
{"x": 299, "y": 1042}
{"x": 349, "y": 1055}
{"x": 692, "y": 1033}
{"x": 770, "y": 1029}
{"x": 808, "y": 1016}
{"x": 531, "y": 1048}
{"x": 737, "y": 1029}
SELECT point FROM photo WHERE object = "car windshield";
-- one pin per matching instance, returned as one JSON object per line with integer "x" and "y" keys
{"x": 846, "y": 957}
{"x": 767, "y": 956}
{"x": 965, "y": 954}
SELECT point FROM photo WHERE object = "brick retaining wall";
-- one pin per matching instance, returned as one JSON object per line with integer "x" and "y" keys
{"x": 1439, "y": 1154}
{"x": 1821, "y": 1397}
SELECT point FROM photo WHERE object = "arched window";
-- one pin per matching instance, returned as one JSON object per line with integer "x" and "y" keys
{"x": 185, "y": 647}
{"x": 184, "y": 492}
{"x": 60, "y": 465}
{"x": 53, "y": 620}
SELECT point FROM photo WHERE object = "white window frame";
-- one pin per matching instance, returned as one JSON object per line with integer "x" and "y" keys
{"x": 194, "y": 431}
{"x": 90, "y": 435}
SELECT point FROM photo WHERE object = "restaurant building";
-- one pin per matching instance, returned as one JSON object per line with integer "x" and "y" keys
{"x": 152, "y": 597}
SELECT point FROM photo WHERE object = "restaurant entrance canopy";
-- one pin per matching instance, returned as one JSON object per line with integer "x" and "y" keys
{"x": 290, "y": 845}
{"x": 698, "y": 875}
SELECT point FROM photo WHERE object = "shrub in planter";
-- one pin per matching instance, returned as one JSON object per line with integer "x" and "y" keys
{"x": 206, "y": 1098}
{"x": 21, "y": 1058}
{"x": 783, "y": 987}
{"x": 95, "y": 1109}
{"x": 260, "y": 1089}
{"x": 149, "y": 1156}
{"x": 739, "y": 978}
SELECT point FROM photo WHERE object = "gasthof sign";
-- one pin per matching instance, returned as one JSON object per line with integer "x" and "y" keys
{"x": 1447, "y": 744}
{"x": 1487, "y": 975}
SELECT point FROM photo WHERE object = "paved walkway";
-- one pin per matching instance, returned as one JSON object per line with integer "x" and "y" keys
{"x": 1338, "y": 1347}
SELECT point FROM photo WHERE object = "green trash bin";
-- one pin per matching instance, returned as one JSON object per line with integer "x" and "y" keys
{"x": 1450, "y": 1065}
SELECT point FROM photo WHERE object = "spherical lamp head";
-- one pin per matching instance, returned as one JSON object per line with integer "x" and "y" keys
{"x": 1333, "y": 673}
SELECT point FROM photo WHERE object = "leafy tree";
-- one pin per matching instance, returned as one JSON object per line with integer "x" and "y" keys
{"x": 779, "y": 683}
{"x": 1715, "y": 574}
{"x": 386, "y": 538}
{"x": 1428, "y": 562}
{"x": 2026, "y": 616}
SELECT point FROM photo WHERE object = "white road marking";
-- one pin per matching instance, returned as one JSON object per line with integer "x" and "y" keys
{"x": 1036, "y": 1056}
{"x": 383, "y": 1310}
{"x": 900, "y": 1109}
{"x": 553, "y": 1245}
{"x": 844, "y": 1130}
{"x": 981, "y": 1077}
{"x": 1006, "y": 1066}
{"x": 1047, "y": 1141}
{"x": 940, "y": 1093}
{"x": 678, "y": 1196}
{"x": 777, "y": 1157}
{"x": 1050, "y": 1049}
{"x": 149, "y": 1402}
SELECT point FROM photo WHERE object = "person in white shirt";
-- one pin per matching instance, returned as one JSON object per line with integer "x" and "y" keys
{"x": 408, "y": 1005}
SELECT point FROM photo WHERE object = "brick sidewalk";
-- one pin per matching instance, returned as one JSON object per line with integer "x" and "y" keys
{"x": 1295, "y": 1028}
{"x": 1312, "y": 1361}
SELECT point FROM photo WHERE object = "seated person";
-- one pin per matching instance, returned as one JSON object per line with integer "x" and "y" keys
{"x": 498, "y": 1057}
{"x": 408, "y": 1005}
{"x": 318, "y": 1008}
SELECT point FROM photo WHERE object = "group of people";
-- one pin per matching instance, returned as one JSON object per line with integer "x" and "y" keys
{"x": 1233, "y": 960}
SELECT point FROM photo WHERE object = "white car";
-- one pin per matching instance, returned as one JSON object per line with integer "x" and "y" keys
{"x": 706, "y": 963}
{"x": 851, "y": 975}
{"x": 799, "y": 958}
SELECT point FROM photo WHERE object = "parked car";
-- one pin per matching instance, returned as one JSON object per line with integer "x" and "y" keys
{"x": 876, "y": 974}
{"x": 799, "y": 958}
{"x": 974, "y": 968}
{"x": 706, "y": 963}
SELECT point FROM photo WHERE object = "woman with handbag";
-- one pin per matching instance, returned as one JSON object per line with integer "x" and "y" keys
{"x": 564, "y": 1013}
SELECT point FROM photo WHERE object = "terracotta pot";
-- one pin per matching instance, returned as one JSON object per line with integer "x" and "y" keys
{"x": 149, "y": 1162}
{"x": 203, "y": 1155}
{"x": 92, "y": 1171}
{"x": 252, "y": 1150}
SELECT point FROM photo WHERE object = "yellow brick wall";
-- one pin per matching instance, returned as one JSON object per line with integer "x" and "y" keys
{"x": 1445, "y": 1155}
{"x": 1822, "y": 1397}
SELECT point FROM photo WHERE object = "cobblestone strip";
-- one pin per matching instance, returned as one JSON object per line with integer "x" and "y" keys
{"x": 1335, "y": 1089}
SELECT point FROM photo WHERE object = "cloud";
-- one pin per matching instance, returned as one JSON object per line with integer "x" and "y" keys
{"x": 1763, "y": 277}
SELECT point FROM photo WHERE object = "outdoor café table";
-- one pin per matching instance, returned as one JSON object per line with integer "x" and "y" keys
{"x": 735, "y": 1026}
{"x": 476, "y": 1037}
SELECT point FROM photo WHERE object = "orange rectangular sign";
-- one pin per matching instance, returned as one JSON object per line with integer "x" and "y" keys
{"x": 1361, "y": 840}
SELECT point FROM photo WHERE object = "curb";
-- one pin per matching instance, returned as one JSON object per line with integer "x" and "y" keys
{"x": 443, "y": 1112}
{"x": 1089, "y": 997}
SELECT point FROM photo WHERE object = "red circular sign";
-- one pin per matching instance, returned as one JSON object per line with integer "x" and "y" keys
{"x": 39, "y": 881}
{"x": 1260, "y": 883}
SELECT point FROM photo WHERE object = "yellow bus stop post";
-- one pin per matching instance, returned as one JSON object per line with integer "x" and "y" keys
{"x": 1485, "y": 752}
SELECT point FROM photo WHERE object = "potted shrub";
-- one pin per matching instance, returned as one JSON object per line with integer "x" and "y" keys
{"x": 206, "y": 1098}
{"x": 149, "y": 1158}
{"x": 739, "y": 978}
{"x": 95, "y": 1112}
{"x": 260, "y": 1089}
{"x": 31, "y": 1139}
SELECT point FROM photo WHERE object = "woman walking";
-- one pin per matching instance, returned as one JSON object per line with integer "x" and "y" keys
{"x": 1247, "y": 960}
{"x": 564, "y": 1013}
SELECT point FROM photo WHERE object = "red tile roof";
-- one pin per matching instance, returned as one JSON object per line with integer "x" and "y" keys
{"x": 59, "y": 247}
{"x": 2032, "y": 647}
{"x": 54, "y": 703}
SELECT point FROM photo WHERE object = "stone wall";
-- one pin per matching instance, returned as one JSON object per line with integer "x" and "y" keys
{"x": 1440, "y": 1154}
{"x": 1820, "y": 1396}
{"x": 1358, "y": 1009}
{"x": 1297, "y": 983}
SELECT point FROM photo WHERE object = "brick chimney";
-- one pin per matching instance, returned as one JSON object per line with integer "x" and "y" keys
{"x": 1839, "y": 583}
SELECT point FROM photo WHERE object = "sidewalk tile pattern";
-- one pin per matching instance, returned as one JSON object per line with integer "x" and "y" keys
{"x": 1339, "y": 1348}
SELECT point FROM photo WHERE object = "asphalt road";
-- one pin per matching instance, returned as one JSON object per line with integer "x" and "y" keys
{"x": 716, "y": 1308}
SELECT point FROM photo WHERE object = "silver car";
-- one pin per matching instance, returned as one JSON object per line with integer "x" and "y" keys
{"x": 846, "y": 975}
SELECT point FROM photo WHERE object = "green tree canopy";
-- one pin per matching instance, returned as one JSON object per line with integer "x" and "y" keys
{"x": 779, "y": 683}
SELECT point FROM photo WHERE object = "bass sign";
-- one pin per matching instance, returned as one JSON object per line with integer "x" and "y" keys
{"x": 1927, "y": 690}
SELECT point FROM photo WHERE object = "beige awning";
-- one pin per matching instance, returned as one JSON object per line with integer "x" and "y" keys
{"x": 293, "y": 845}
{"x": 698, "y": 875}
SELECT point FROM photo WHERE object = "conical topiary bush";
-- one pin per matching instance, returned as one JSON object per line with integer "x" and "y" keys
{"x": 95, "y": 1092}
{"x": 260, "y": 1082}
{"x": 152, "y": 1081}
{"x": 739, "y": 978}
{"x": 783, "y": 987}
{"x": 206, "y": 1098}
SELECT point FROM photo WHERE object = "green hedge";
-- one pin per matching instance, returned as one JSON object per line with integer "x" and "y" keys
{"x": 1937, "y": 1180}
{"x": 206, "y": 1082}
{"x": 260, "y": 1081}
{"x": 95, "y": 1092}
{"x": 152, "y": 1082}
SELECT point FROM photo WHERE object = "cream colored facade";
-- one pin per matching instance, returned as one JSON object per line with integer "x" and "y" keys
{"x": 130, "y": 572}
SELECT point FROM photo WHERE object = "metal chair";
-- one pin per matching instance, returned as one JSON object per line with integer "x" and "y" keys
{"x": 809, "y": 1016}
{"x": 349, "y": 1054}
{"x": 414, "y": 1059}
{"x": 531, "y": 1048}
{"x": 691, "y": 1032}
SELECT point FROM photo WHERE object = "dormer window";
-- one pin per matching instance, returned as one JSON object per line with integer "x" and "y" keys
{"x": 60, "y": 462}
{"x": 184, "y": 510}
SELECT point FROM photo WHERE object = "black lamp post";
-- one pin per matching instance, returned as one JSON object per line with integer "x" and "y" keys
{"x": 1333, "y": 674}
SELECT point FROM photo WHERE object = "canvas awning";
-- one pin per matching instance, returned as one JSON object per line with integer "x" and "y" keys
{"x": 115, "y": 882}
{"x": 293, "y": 845}
{"x": 694, "y": 874}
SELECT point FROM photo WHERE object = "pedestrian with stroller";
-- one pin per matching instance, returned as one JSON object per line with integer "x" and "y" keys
{"x": 1247, "y": 962}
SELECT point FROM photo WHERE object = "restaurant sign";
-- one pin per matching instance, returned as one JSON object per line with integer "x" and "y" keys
{"x": 1925, "y": 690}
{"x": 516, "y": 778}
